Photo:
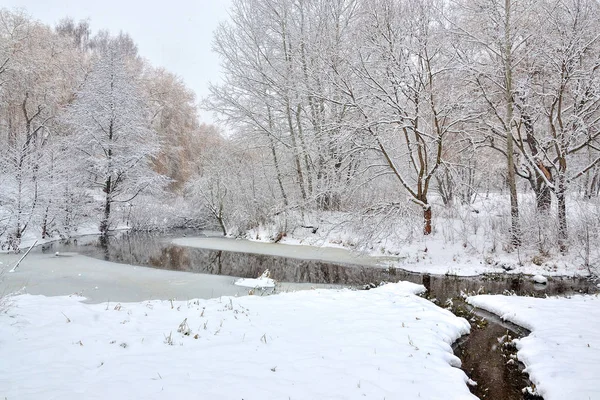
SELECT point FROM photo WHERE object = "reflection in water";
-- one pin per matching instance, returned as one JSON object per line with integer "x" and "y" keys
{"x": 158, "y": 252}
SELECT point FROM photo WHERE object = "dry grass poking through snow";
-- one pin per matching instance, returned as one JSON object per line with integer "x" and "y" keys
{"x": 334, "y": 344}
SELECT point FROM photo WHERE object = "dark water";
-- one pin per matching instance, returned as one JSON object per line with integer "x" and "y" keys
{"x": 484, "y": 358}
{"x": 485, "y": 353}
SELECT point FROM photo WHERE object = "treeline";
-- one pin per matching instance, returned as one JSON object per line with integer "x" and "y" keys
{"x": 376, "y": 113}
{"x": 91, "y": 134}
{"x": 357, "y": 105}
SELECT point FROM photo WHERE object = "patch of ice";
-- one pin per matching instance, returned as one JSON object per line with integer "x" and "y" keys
{"x": 288, "y": 250}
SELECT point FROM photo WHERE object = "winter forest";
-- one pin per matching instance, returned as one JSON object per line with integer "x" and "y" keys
{"x": 377, "y": 199}
{"x": 392, "y": 120}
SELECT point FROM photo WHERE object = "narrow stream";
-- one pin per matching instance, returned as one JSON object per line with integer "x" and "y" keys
{"x": 489, "y": 357}
{"x": 484, "y": 353}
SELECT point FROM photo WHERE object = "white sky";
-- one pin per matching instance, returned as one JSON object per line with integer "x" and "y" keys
{"x": 175, "y": 34}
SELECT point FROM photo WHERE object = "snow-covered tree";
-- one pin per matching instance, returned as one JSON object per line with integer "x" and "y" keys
{"x": 561, "y": 96}
{"x": 492, "y": 36}
{"x": 406, "y": 94}
{"x": 112, "y": 138}
{"x": 37, "y": 79}
{"x": 282, "y": 59}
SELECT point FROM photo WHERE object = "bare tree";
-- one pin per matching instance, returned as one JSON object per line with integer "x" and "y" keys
{"x": 492, "y": 35}
{"x": 566, "y": 104}
{"x": 175, "y": 119}
{"x": 401, "y": 94}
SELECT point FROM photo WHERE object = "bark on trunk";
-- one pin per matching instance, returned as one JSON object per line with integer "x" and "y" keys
{"x": 543, "y": 194}
{"x": 512, "y": 185}
{"x": 104, "y": 245}
{"x": 276, "y": 162}
{"x": 543, "y": 199}
{"x": 562, "y": 216}
{"x": 45, "y": 227}
{"x": 104, "y": 224}
{"x": 427, "y": 220}
{"x": 222, "y": 226}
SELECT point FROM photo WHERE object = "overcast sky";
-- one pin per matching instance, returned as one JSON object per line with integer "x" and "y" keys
{"x": 175, "y": 34}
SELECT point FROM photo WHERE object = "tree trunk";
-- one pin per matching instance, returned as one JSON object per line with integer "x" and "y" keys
{"x": 45, "y": 225}
{"x": 19, "y": 208}
{"x": 543, "y": 194}
{"x": 288, "y": 110}
{"x": 562, "y": 215}
{"x": 512, "y": 184}
{"x": 427, "y": 220}
{"x": 445, "y": 187}
{"x": 222, "y": 225}
{"x": 104, "y": 245}
{"x": 426, "y": 214}
{"x": 304, "y": 151}
{"x": 104, "y": 224}
{"x": 296, "y": 151}
{"x": 278, "y": 172}
{"x": 543, "y": 199}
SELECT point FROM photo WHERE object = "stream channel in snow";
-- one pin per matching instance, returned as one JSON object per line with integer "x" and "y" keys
{"x": 483, "y": 353}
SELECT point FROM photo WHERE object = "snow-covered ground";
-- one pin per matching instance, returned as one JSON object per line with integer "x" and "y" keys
{"x": 467, "y": 240}
{"x": 321, "y": 344}
{"x": 562, "y": 353}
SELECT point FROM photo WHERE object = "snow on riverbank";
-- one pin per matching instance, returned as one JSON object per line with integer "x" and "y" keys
{"x": 438, "y": 258}
{"x": 562, "y": 353}
{"x": 467, "y": 240}
{"x": 382, "y": 343}
{"x": 35, "y": 236}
